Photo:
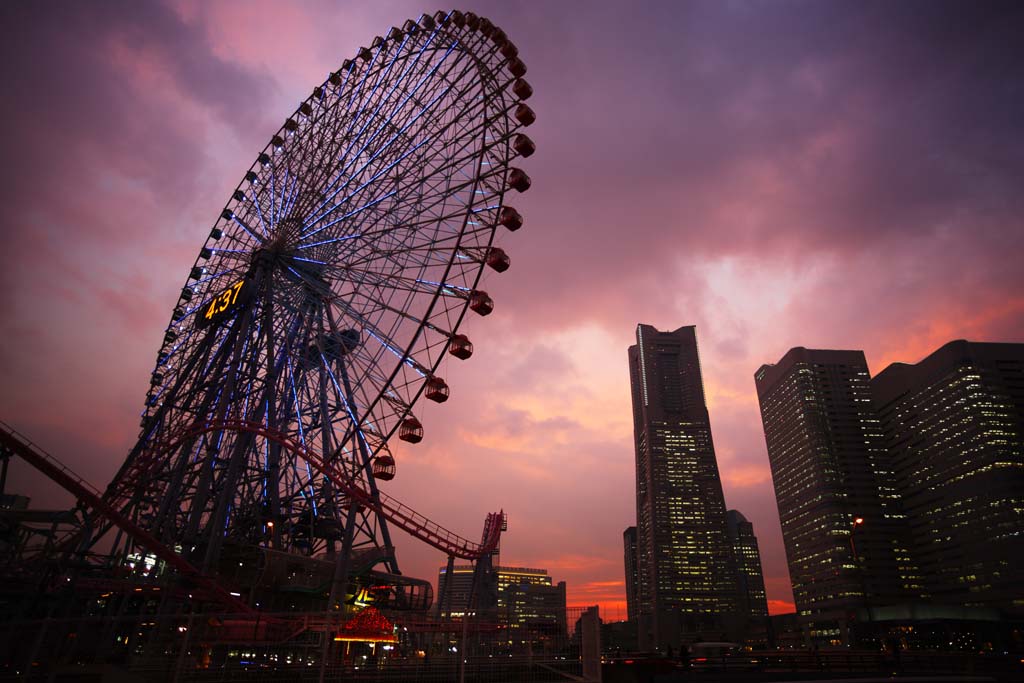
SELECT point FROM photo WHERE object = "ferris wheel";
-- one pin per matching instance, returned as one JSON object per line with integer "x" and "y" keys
{"x": 326, "y": 296}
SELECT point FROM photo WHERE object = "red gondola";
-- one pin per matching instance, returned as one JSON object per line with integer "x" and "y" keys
{"x": 510, "y": 218}
{"x": 411, "y": 430}
{"x": 498, "y": 259}
{"x": 523, "y": 145}
{"x": 524, "y": 114}
{"x": 518, "y": 180}
{"x": 522, "y": 89}
{"x": 480, "y": 302}
{"x": 460, "y": 346}
{"x": 384, "y": 467}
{"x": 517, "y": 67}
{"x": 436, "y": 389}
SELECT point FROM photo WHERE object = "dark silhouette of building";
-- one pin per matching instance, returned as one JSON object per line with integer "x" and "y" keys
{"x": 686, "y": 586}
{"x": 753, "y": 599}
{"x": 837, "y": 501}
{"x": 954, "y": 427}
{"x": 629, "y": 557}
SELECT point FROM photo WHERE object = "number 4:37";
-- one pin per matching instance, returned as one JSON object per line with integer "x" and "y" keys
{"x": 221, "y": 302}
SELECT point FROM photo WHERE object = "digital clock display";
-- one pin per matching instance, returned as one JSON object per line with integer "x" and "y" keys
{"x": 224, "y": 305}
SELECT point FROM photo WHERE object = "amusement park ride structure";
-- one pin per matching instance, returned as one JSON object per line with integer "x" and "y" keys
{"x": 317, "y": 313}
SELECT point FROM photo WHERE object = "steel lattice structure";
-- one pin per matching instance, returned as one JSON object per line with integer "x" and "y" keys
{"x": 324, "y": 300}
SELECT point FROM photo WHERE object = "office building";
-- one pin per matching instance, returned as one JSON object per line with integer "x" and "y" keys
{"x": 686, "y": 586}
{"x": 753, "y": 599}
{"x": 954, "y": 427}
{"x": 841, "y": 524}
{"x": 528, "y": 603}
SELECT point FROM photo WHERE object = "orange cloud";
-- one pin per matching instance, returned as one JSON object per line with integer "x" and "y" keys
{"x": 743, "y": 475}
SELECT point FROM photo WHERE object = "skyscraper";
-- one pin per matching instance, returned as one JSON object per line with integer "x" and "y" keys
{"x": 829, "y": 468}
{"x": 753, "y": 600}
{"x": 685, "y": 579}
{"x": 629, "y": 557}
{"x": 954, "y": 426}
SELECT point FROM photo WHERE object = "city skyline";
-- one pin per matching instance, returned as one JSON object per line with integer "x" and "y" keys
{"x": 828, "y": 176}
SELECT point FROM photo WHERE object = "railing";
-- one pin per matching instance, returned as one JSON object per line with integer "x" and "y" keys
{"x": 15, "y": 438}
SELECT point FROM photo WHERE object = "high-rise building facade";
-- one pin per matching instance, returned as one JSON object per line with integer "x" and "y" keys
{"x": 629, "y": 560}
{"x": 685, "y": 577}
{"x": 954, "y": 427}
{"x": 528, "y": 602}
{"x": 830, "y": 469}
{"x": 753, "y": 599}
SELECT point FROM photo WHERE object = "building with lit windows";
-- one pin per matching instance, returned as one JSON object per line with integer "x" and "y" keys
{"x": 528, "y": 603}
{"x": 686, "y": 586}
{"x": 830, "y": 469}
{"x": 753, "y": 599}
{"x": 454, "y": 590}
{"x": 954, "y": 427}
{"x": 629, "y": 557}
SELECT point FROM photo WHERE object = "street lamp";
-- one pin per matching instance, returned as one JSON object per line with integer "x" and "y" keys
{"x": 857, "y": 523}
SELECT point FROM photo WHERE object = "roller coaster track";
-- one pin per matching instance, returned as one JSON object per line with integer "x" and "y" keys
{"x": 108, "y": 507}
{"x": 89, "y": 496}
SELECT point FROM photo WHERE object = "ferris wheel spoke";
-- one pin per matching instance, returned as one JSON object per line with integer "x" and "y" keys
{"x": 441, "y": 197}
{"x": 381, "y": 100}
{"x": 380, "y": 336}
{"x": 409, "y": 359}
{"x": 424, "y": 108}
{"x": 253, "y": 200}
{"x": 366, "y": 184}
{"x": 415, "y": 285}
{"x": 357, "y": 91}
{"x": 386, "y": 147}
{"x": 441, "y": 246}
{"x": 397, "y": 312}
{"x": 398, "y": 83}
{"x": 388, "y": 228}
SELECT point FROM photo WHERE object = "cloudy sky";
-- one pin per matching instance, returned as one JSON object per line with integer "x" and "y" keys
{"x": 821, "y": 174}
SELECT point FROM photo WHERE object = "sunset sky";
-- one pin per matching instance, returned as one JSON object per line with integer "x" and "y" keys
{"x": 820, "y": 174}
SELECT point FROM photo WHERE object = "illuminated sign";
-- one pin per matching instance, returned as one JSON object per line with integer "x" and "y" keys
{"x": 367, "y": 626}
{"x": 224, "y": 305}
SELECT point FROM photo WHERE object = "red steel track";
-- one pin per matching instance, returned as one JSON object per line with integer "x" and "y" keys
{"x": 107, "y": 506}
{"x": 88, "y": 495}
